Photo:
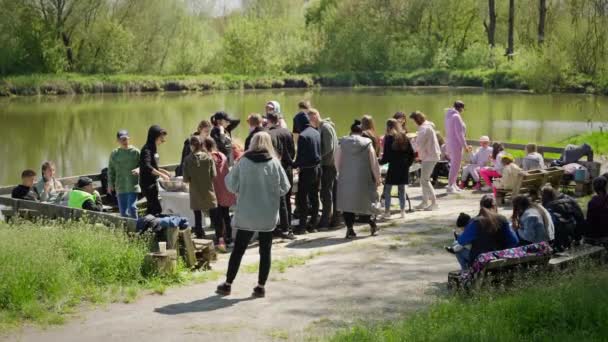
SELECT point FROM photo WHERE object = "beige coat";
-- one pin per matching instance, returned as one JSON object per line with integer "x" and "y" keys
{"x": 199, "y": 170}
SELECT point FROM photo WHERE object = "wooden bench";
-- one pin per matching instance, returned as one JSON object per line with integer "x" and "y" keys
{"x": 500, "y": 270}
{"x": 531, "y": 182}
{"x": 577, "y": 254}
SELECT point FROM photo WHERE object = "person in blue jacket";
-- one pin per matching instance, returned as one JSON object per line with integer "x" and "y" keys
{"x": 487, "y": 232}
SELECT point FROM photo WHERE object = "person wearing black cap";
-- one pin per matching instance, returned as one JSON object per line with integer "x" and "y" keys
{"x": 223, "y": 126}
{"x": 308, "y": 161}
{"x": 123, "y": 174}
{"x": 149, "y": 172}
{"x": 84, "y": 196}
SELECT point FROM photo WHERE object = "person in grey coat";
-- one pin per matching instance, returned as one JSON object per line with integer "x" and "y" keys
{"x": 358, "y": 178}
{"x": 259, "y": 182}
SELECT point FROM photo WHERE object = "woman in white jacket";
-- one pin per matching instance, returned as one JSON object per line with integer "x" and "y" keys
{"x": 259, "y": 182}
{"x": 429, "y": 151}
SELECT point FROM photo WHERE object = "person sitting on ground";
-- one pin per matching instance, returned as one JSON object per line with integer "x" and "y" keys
{"x": 567, "y": 216}
{"x": 123, "y": 176}
{"x": 533, "y": 160}
{"x": 495, "y": 170}
{"x": 26, "y": 190}
{"x": 259, "y": 181}
{"x": 531, "y": 221}
{"x": 50, "y": 189}
{"x": 478, "y": 159}
{"x": 597, "y": 210}
{"x": 84, "y": 196}
{"x": 202, "y": 130}
{"x": 510, "y": 175}
{"x": 487, "y": 232}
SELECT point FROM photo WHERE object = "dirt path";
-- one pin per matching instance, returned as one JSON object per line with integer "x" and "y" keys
{"x": 398, "y": 272}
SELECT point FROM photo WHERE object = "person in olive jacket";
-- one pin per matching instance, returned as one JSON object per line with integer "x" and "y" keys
{"x": 199, "y": 171}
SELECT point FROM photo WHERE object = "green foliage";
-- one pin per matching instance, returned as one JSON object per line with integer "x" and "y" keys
{"x": 559, "y": 308}
{"x": 48, "y": 268}
{"x": 597, "y": 140}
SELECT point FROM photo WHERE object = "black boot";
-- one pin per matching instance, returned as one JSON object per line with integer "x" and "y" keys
{"x": 199, "y": 233}
{"x": 373, "y": 227}
{"x": 350, "y": 233}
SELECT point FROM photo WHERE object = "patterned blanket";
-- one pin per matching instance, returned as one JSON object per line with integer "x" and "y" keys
{"x": 535, "y": 249}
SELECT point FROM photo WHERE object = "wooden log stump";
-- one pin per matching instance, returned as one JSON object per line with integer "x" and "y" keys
{"x": 172, "y": 237}
{"x": 189, "y": 252}
{"x": 162, "y": 263}
{"x": 205, "y": 253}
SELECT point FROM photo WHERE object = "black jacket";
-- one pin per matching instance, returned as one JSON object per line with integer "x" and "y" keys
{"x": 148, "y": 159}
{"x": 22, "y": 192}
{"x": 569, "y": 220}
{"x": 224, "y": 141}
{"x": 309, "y": 143}
{"x": 179, "y": 171}
{"x": 285, "y": 146}
{"x": 399, "y": 162}
{"x": 250, "y": 136}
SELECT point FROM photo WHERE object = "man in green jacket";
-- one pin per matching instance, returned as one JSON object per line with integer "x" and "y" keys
{"x": 84, "y": 196}
{"x": 123, "y": 175}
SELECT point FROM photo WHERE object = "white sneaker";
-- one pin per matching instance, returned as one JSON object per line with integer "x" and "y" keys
{"x": 386, "y": 215}
{"x": 421, "y": 206}
{"x": 402, "y": 214}
{"x": 432, "y": 207}
{"x": 450, "y": 190}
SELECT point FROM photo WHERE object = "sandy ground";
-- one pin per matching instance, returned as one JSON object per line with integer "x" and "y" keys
{"x": 401, "y": 270}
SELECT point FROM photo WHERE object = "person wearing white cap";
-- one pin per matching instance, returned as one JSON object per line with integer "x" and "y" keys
{"x": 480, "y": 158}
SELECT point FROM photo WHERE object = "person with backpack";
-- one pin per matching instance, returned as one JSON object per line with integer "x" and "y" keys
{"x": 399, "y": 155}
{"x": 567, "y": 216}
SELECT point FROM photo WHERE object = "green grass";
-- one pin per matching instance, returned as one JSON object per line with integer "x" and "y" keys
{"x": 553, "y": 308}
{"x": 597, "y": 140}
{"x": 47, "y": 269}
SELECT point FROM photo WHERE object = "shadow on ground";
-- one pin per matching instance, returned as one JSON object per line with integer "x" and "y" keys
{"x": 203, "y": 305}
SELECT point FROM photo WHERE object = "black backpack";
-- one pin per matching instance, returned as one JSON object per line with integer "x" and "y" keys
{"x": 565, "y": 230}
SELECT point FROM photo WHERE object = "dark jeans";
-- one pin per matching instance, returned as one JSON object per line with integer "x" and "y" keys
{"x": 329, "y": 188}
{"x": 308, "y": 191}
{"x": 349, "y": 219}
{"x": 220, "y": 221}
{"x": 153, "y": 204}
{"x": 240, "y": 245}
{"x": 285, "y": 204}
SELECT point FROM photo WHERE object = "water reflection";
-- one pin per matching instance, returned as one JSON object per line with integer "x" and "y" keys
{"x": 78, "y": 132}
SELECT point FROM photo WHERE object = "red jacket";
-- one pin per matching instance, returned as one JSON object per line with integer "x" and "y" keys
{"x": 224, "y": 197}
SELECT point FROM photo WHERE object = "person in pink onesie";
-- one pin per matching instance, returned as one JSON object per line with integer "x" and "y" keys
{"x": 455, "y": 131}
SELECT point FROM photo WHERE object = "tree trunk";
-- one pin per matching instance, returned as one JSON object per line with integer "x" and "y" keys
{"x": 510, "y": 48}
{"x": 491, "y": 27}
{"x": 542, "y": 15}
{"x": 68, "y": 49}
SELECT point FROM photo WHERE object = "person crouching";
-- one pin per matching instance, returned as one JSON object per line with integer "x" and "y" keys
{"x": 84, "y": 196}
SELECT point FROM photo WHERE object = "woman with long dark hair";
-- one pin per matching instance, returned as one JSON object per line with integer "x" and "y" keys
{"x": 487, "y": 232}
{"x": 369, "y": 131}
{"x": 399, "y": 155}
{"x": 531, "y": 221}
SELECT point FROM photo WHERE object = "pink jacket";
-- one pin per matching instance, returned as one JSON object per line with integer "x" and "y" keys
{"x": 224, "y": 197}
{"x": 455, "y": 130}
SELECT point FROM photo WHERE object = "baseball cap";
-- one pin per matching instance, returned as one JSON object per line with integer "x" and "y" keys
{"x": 84, "y": 181}
{"x": 221, "y": 116}
{"x": 123, "y": 133}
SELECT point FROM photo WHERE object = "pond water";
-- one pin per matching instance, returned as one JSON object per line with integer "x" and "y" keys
{"x": 78, "y": 132}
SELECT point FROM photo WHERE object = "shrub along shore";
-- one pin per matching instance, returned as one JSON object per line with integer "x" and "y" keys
{"x": 69, "y": 83}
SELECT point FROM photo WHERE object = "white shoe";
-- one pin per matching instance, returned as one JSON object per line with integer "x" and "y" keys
{"x": 450, "y": 190}
{"x": 421, "y": 206}
{"x": 402, "y": 214}
{"x": 386, "y": 215}
{"x": 432, "y": 207}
